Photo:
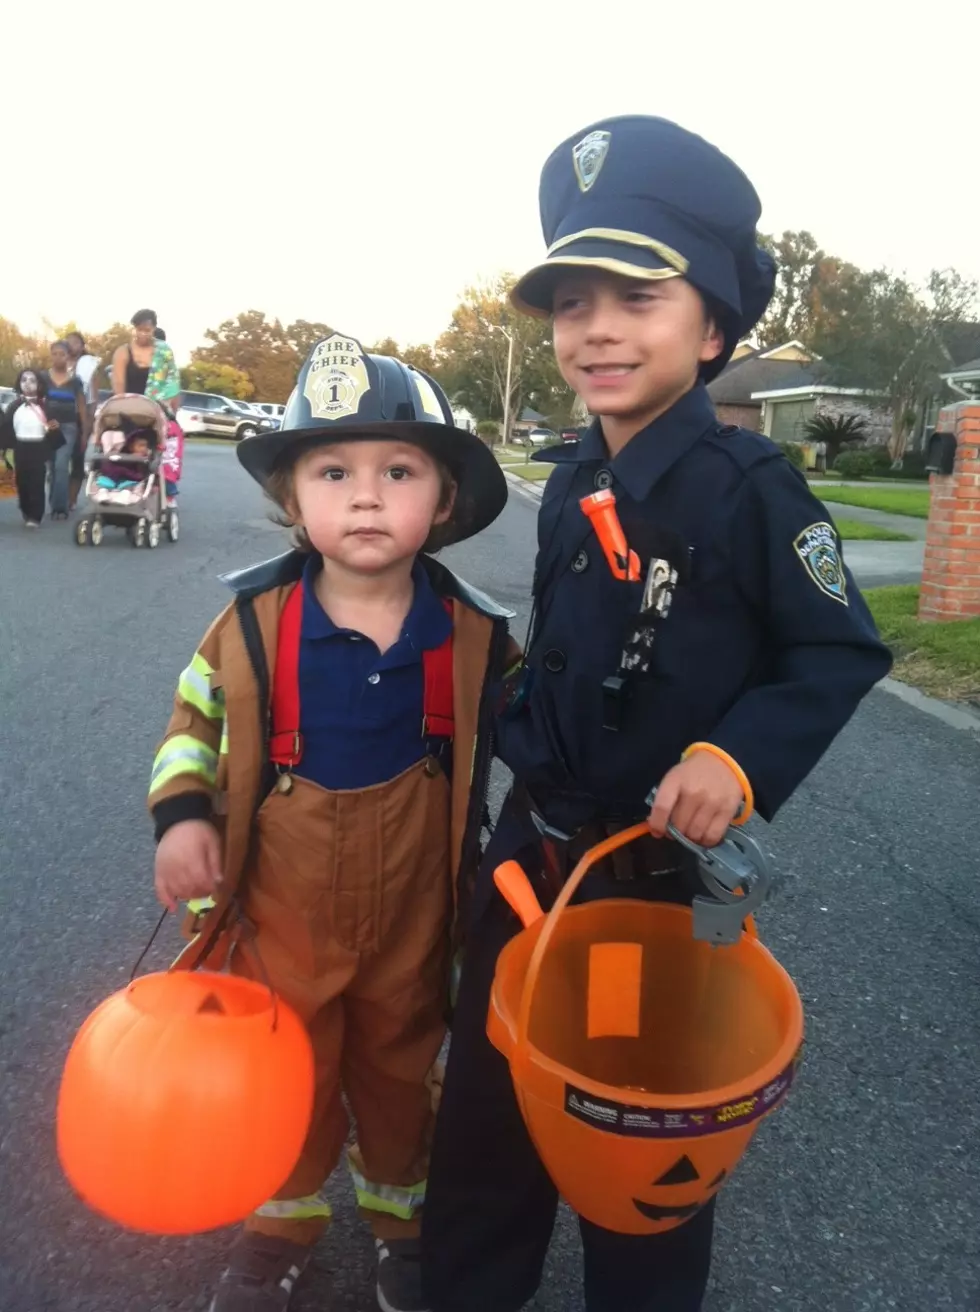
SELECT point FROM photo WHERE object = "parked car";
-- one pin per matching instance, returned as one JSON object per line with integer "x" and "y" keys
{"x": 7, "y": 395}
{"x": 572, "y": 434}
{"x": 270, "y": 409}
{"x": 209, "y": 415}
{"x": 540, "y": 437}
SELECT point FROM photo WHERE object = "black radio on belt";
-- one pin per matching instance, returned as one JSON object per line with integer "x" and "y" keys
{"x": 667, "y": 566}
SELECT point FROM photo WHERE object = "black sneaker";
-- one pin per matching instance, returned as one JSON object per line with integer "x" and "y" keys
{"x": 261, "y": 1274}
{"x": 400, "y": 1275}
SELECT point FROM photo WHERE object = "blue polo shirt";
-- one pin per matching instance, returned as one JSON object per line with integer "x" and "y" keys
{"x": 361, "y": 711}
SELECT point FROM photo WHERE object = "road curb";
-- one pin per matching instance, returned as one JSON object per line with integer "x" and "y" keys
{"x": 533, "y": 490}
{"x": 957, "y": 717}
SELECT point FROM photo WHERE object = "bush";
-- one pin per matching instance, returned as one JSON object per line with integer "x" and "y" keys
{"x": 489, "y": 430}
{"x": 793, "y": 453}
{"x": 855, "y": 464}
{"x": 881, "y": 458}
{"x": 913, "y": 466}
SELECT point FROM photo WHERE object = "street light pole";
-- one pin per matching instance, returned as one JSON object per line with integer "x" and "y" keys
{"x": 510, "y": 363}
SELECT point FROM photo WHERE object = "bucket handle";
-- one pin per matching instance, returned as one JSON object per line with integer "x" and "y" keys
{"x": 595, "y": 854}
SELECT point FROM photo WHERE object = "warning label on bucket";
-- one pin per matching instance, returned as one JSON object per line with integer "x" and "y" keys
{"x": 638, "y": 1122}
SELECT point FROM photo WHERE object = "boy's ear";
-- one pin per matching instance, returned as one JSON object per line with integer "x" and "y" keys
{"x": 714, "y": 341}
{"x": 446, "y": 509}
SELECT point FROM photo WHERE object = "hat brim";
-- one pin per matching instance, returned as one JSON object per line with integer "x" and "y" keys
{"x": 481, "y": 488}
{"x": 534, "y": 293}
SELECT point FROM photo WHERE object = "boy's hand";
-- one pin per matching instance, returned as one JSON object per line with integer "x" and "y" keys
{"x": 188, "y": 863}
{"x": 700, "y": 798}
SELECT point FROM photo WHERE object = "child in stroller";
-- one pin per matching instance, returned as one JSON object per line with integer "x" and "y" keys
{"x": 124, "y": 484}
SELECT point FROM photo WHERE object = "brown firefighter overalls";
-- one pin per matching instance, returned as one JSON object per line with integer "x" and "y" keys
{"x": 354, "y": 894}
{"x": 351, "y": 897}
{"x": 349, "y": 893}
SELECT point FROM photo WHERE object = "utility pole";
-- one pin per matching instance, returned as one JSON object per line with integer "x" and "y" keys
{"x": 510, "y": 364}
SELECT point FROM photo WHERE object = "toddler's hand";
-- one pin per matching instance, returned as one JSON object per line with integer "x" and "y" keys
{"x": 188, "y": 863}
{"x": 700, "y": 798}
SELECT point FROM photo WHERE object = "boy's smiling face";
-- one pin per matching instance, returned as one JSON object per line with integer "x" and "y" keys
{"x": 630, "y": 348}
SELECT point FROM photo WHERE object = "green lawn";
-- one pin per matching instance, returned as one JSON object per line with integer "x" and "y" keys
{"x": 536, "y": 473}
{"x": 940, "y": 658}
{"x": 896, "y": 501}
{"x": 856, "y": 530}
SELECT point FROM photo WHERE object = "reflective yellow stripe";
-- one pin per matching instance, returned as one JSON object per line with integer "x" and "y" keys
{"x": 297, "y": 1209}
{"x": 183, "y": 754}
{"x": 194, "y": 687}
{"x": 198, "y": 905}
{"x": 223, "y": 746}
{"x": 403, "y": 1201}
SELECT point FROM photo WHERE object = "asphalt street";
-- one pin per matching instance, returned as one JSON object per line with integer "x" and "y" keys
{"x": 862, "y": 1194}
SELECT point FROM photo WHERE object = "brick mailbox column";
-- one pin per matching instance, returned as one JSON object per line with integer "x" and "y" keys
{"x": 951, "y": 572}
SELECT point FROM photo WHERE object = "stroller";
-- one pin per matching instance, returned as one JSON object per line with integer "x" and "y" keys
{"x": 137, "y": 505}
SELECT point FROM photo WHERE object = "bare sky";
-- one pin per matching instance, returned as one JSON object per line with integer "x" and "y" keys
{"x": 362, "y": 163}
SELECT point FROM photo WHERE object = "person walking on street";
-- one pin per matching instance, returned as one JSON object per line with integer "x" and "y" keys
{"x": 86, "y": 369}
{"x": 66, "y": 405}
{"x": 131, "y": 364}
{"x": 27, "y": 429}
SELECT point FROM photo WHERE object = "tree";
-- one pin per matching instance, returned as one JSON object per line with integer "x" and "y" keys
{"x": 835, "y": 431}
{"x": 204, "y": 376}
{"x": 270, "y": 354}
{"x": 885, "y": 336}
{"x": 103, "y": 345}
{"x": 472, "y": 357}
{"x": 303, "y": 336}
{"x": 808, "y": 284}
{"x": 420, "y": 357}
{"x": 17, "y": 351}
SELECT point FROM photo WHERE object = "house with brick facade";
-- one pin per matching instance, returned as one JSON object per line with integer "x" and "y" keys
{"x": 754, "y": 369}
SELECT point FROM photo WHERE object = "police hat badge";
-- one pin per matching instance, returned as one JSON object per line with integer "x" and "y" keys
{"x": 588, "y": 157}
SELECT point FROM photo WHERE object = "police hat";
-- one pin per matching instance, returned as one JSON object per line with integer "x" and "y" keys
{"x": 343, "y": 394}
{"x": 644, "y": 198}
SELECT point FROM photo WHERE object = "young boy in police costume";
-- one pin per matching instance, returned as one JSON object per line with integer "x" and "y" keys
{"x": 652, "y": 276}
{"x": 324, "y": 773}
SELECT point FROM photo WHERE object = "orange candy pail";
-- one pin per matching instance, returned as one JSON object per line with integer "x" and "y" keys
{"x": 643, "y": 1059}
{"x": 185, "y": 1101}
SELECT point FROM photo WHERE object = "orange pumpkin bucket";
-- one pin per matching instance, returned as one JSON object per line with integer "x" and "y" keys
{"x": 643, "y": 1058}
{"x": 185, "y": 1101}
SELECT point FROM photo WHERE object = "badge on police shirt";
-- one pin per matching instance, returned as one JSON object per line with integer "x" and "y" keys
{"x": 336, "y": 378}
{"x": 589, "y": 156}
{"x": 817, "y": 547}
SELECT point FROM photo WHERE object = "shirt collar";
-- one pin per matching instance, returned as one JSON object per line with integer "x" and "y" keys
{"x": 428, "y": 624}
{"x": 646, "y": 457}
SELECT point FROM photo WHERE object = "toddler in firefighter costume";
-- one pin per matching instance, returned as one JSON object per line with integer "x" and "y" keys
{"x": 345, "y": 838}
{"x": 653, "y": 275}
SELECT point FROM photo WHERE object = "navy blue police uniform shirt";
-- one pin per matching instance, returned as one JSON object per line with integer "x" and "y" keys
{"x": 766, "y": 651}
{"x": 361, "y": 710}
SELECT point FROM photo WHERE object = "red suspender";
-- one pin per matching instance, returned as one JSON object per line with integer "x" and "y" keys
{"x": 285, "y": 740}
{"x": 437, "y": 697}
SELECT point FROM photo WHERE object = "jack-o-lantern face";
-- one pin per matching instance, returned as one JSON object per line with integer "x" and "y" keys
{"x": 674, "y": 1205}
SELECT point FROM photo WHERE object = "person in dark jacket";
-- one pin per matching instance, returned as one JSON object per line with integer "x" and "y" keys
{"x": 715, "y": 660}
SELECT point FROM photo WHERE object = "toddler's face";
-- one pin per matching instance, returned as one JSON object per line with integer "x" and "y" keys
{"x": 368, "y": 504}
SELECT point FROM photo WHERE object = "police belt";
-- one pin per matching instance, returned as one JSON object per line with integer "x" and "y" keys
{"x": 563, "y": 850}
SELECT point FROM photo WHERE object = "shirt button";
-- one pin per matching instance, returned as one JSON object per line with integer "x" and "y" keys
{"x": 374, "y": 678}
{"x": 602, "y": 480}
{"x": 581, "y": 562}
{"x": 554, "y": 661}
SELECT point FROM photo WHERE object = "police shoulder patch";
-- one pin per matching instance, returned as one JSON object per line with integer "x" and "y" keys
{"x": 818, "y": 548}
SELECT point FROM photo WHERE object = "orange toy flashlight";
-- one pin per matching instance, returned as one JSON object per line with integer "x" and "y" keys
{"x": 601, "y": 510}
